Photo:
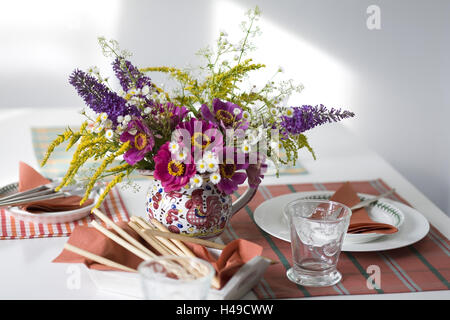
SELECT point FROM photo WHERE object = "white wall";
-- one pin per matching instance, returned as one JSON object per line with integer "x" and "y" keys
{"x": 399, "y": 77}
{"x": 394, "y": 78}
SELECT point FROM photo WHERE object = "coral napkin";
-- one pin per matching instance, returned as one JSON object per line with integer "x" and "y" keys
{"x": 92, "y": 240}
{"x": 360, "y": 221}
{"x": 30, "y": 178}
{"x": 233, "y": 256}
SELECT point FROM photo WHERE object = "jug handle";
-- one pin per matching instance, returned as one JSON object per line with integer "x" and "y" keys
{"x": 242, "y": 201}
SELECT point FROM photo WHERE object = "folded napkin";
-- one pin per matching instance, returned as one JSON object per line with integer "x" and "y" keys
{"x": 360, "y": 222}
{"x": 232, "y": 257}
{"x": 30, "y": 178}
{"x": 92, "y": 240}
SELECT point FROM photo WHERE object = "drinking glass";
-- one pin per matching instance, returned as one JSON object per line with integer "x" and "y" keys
{"x": 317, "y": 233}
{"x": 176, "y": 278}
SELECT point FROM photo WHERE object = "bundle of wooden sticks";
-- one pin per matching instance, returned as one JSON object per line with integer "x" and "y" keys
{"x": 154, "y": 233}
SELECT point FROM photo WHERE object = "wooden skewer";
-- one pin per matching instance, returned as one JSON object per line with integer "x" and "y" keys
{"x": 169, "y": 244}
{"x": 97, "y": 258}
{"x": 176, "y": 236}
{"x": 158, "y": 246}
{"x": 178, "y": 243}
{"x": 215, "y": 283}
{"x": 122, "y": 242}
{"x": 150, "y": 239}
{"x": 186, "y": 250}
{"x": 122, "y": 232}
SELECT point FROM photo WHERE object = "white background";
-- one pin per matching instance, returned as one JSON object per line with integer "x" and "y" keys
{"x": 395, "y": 79}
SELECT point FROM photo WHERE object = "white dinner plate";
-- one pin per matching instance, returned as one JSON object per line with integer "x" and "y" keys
{"x": 413, "y": 227}
{"x": 52, "y": 217}
{"x": 380, "y": 211}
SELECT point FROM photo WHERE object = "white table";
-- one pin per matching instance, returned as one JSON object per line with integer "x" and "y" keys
{"x": 26, "y": 271}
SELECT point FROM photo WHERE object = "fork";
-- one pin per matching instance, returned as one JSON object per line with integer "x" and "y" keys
{"x": 369, "y": 201}
{"x": 44, "y": 192}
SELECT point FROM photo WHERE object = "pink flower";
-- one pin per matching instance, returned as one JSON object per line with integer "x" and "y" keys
{"x": 230, "y": 176}
{"x": 141, "y": 141}
{"x": 173, "y": 174}
{"x": 202, "y": 136}
{"x": 227, "y": 114}
{"x": 255, "y": 172}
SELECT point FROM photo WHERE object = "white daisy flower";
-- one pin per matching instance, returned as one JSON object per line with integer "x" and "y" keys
{"x": 289, "y": 112}
{"x": 181, "y": 155}
{"x": 147, "y": 110}
{"x": 174, "y": 147}
{"x": 209, "y": 157}
{"x": 103, "y": 116}
{"x": 246, "y": 115}
{"x": 145, "y": 90}
{"x": 109, "y": 134}
{"x": 98, "y": 129}
{"x": 127, "y": 118}
{"x": 201, "y": 166}
{"x": 246, "y": 148}
{"x": 214, "y": 177}
{"x": 236, "y": 111}
{"x": 212, "y": 167}
{"x": 273, "y": 112}
{"x": 133, "y": 91}
{"x": 196, "y": 181}
{"x": 120, "y": 119}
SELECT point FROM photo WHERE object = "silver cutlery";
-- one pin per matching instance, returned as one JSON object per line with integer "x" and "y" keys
{"x": 365, "y": 203}
{"x": 44, "y": 192}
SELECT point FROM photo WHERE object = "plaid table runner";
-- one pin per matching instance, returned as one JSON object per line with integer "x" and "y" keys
{"x": 12, "y": 228}
{"x": 422, "y": 266}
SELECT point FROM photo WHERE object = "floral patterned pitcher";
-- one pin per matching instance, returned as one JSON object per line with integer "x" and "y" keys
{"x": 199, "y": 212}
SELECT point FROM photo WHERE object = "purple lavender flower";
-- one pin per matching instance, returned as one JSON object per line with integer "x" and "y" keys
{"x": 99, "y": 98}
{"x": 129, "y": 75}
{"x": 307, "y": 117}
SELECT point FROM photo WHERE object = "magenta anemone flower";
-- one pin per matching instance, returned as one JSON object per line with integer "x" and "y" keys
{"x": 172, "y": 173}
{"x": 141, "y": 141}
{"x": 230, "y": 176}
{"x": 203, "y": 136}
{"x": 227, "y": 114}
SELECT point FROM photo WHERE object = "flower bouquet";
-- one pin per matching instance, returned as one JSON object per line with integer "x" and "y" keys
{"x": 200, "y": 139}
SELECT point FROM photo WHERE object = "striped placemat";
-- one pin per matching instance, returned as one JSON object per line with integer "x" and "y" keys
{"x": 12, "y": 228}
{"x": 422, "y": 266}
